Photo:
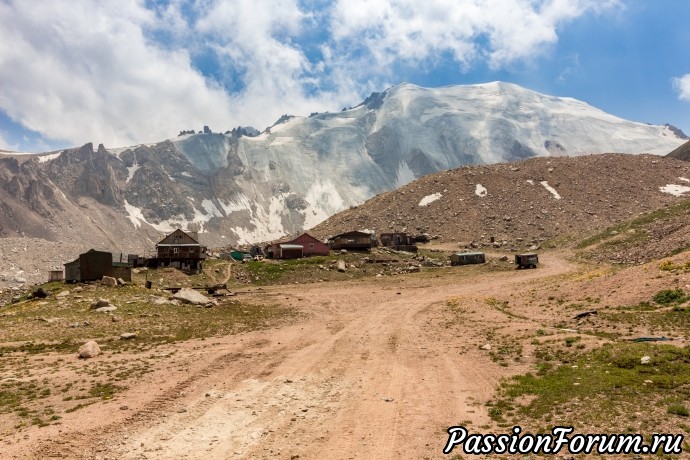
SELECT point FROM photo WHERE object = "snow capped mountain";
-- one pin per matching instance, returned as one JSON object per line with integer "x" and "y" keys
{"x": 246, "y": 186}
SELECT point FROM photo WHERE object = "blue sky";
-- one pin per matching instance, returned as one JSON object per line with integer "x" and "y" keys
{"x": 122, "y": 72}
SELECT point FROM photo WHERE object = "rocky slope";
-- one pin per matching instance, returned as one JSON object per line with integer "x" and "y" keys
{"x": 243, "y": 186}
{"x": 682, "y": 152}
{"x": 523, "y": 203}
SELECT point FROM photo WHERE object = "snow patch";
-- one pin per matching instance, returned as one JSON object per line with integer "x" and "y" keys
{"x": 211, "y": 209}
{"x": 136, "y": 216}
{"x": 530, "y": 181}
{"x": 404, "y": 175}
{"x": 185, "y": 174}
{"x": 684, "y": 179}
{"x": 281, "y": 140}
{"x": 57, "y": 188}
{"x": 674, "y": 189}
{"x": 52, "y": 156}
{"x": 550, "y": 189}
{"x": 427, "y": 200}
{"x": 267, "y": 224}
{"x": 480, "y": 190}
{"x": 131, "y": 170}
{"x": 323, "y": 201}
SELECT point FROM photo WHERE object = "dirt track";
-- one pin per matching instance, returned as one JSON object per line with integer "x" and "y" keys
{"x": 379, "y": 369}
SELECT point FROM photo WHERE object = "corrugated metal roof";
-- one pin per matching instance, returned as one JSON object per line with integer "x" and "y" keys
{"x": 291, "y": 246}
{"x": 172, "y": 244}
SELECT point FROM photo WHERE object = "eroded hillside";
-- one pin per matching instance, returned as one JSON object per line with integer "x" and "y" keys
{"x": 518, "y": 204}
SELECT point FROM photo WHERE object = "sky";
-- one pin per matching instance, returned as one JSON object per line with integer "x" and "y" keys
{"x": 125, "y": 72}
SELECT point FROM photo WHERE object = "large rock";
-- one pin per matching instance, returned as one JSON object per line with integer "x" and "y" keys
{"x": 341, "y": 266}
{"x": 109, "y": 281}
{"x": 186, "y": 295}
{"x": 89, "y": 350}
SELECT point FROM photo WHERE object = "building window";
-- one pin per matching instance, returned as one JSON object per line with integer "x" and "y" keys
{"x": 176, "y": 250}
{"x": 311, "y": 245}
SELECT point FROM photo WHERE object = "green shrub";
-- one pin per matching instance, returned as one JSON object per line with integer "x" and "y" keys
{"x": 670, "y": 296}
{"x": 678, "y": 409}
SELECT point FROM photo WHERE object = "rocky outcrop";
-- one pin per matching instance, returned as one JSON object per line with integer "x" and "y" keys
{"x": 682, "y": 152}
{"x": 97, "y": 179}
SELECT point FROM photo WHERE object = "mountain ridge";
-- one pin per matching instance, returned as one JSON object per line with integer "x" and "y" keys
{"x": 239, "y": 189}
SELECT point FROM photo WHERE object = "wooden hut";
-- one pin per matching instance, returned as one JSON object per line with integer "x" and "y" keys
{"x": 352, "y": 240}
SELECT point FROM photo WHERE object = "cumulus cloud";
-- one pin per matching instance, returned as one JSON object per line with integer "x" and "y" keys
{"x": 121, "y": 72}
{"x": 7, "y": 145}
{"x": 83, "y": 71}
{"x": 682, "y": 87}
{"x": 499, "y": 31}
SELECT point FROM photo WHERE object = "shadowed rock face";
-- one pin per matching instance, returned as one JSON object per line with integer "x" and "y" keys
{"x": 682, "y": 152}
{"x": 97, "y": 179}
{"x": 246, "y": 186}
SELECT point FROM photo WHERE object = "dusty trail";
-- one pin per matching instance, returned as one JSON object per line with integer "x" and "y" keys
{"x": 379, "y": 370}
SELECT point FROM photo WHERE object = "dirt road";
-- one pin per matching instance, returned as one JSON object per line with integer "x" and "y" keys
{"x": 378, "y": 369}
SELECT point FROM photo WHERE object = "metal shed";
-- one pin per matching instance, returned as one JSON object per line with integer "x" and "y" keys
{"x": 290, "y": 251}
{"x": 527, "y": 260}
{"x": 466, "y": 258}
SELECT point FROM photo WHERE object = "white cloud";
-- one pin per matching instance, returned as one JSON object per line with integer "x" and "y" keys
{"x": 255, "y": 38}
{"x": 413, "y": 30}
{"x": 682, "y": 87}
{"x": 83, "y": 71}
{"x": 121, "y": 72}
{"x": 6, "y": 145}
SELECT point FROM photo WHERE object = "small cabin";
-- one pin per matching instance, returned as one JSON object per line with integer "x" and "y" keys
{"x": 285, "y": 251}
{"x": 400, "y": 241}
{"x": 467, "y": 258}
{"x": 356, "y": 240}
{"x": 527, "y": 260}
{"x": 94, "y": 265}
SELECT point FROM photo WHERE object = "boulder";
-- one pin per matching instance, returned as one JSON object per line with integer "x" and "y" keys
{"x": 107, "y": 309}
{"x": 39, "y": 293}
{"x": 121, "y": 282}
{"x": 645, "y": 360}
{"x": 109, "y": 281}
{"x": 19, "y": 279}
{"x": 341, "y": 266}
{"x": 190, "y": 296}
{"x": 89, "y": 350}
{"x": 128, "y": 336}
{"x": 100, "y": 303}
{"x": 486, "y": 347}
